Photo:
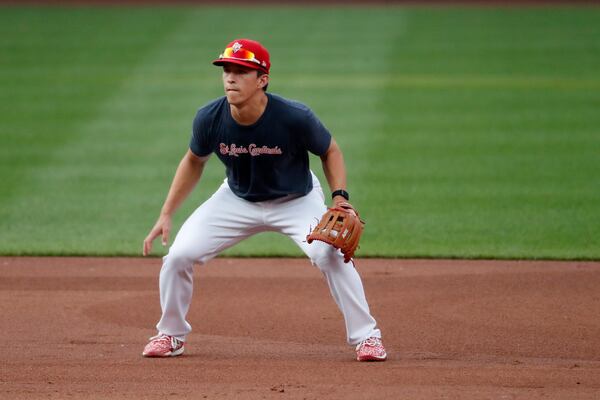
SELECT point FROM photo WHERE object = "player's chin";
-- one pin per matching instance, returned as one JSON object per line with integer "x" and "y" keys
{"x": 234, "y": 97}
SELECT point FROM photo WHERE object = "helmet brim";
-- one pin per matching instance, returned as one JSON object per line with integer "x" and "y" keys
{"x": 223, "y": 61}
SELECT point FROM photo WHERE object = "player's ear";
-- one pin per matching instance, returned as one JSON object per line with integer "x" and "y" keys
{"x": 263, "y": 79}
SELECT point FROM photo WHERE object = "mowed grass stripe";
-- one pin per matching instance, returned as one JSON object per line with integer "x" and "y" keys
{"x": 62, "y": 195}
{"x": 57, "y": 67}
{"x": 395, "y": 81}
{"x": 499, "y": 165}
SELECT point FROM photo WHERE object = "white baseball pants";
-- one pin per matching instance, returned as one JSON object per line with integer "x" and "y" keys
{"x": 224, "y": 220}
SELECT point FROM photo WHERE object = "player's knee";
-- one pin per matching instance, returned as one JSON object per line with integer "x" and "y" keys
{"x": 326, "y": 258}
{"x": 177, "y": 260}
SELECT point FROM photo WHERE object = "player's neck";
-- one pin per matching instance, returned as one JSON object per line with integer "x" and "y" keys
{"x": 248, "y": 112}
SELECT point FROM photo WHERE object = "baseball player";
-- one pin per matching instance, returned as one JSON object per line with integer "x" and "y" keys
{"x": 263, "y": 140}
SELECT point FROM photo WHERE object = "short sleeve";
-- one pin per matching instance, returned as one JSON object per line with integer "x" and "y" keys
{"x": 199, "y": 143}
{"x": 317, "y": 137}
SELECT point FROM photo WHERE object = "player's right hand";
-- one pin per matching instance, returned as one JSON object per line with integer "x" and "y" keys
{"x": 161, "y": 228}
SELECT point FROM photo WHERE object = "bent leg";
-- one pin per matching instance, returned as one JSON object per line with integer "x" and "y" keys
{"x": 346, "y": 288}
{"x": 219, "y": 223}
{"x": 294, "y": 218}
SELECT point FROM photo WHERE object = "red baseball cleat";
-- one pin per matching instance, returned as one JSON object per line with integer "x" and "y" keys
{"x": 371, "y": 349}
{"x": 163, "y": 346}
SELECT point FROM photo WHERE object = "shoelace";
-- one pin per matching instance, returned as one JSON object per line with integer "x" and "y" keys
{"x": 167, "y": 339}
{"x": 372, "y": 341}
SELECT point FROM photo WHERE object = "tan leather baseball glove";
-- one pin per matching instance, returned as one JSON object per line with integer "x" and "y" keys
{"x": 340, "y": 227}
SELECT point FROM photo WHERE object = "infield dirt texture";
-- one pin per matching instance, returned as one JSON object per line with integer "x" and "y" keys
{"x": 498, "y": 157}
{"x": 268, "y": 329}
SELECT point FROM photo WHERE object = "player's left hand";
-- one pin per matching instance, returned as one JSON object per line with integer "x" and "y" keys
{"x": 343, "y": 203}
{"x": 340, "y": 227}
{"x": 339, "y": 200}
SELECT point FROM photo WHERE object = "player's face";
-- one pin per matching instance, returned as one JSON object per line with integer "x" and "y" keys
{"x": 241, "y": 83}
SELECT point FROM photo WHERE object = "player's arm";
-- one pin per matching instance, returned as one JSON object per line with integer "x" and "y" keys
{"x": 335, "y": 169}
{"x": 186, "y": 177}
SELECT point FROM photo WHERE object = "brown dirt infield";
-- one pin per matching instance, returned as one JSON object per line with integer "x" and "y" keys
{"x": 268, "y": 329}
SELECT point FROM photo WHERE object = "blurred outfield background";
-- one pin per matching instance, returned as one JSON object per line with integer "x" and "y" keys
{"x": 467, "y": 131}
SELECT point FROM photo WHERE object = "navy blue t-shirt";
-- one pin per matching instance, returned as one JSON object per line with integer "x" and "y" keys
{"x": 265, "y": 160}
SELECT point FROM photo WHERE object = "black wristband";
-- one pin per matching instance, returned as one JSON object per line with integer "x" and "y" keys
{"x": 341, "y": 192}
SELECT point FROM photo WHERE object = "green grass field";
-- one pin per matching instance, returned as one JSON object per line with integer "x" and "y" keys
{"x": 468, "y": 132}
